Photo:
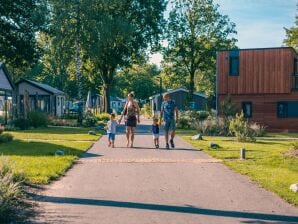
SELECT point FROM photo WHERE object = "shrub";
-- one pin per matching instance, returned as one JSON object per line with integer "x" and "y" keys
{"x": 239, "y": 127}
{"x": 63, "y": 122}
{"x": 38, "y": 119}
{"x": 258, "y": 129}
{"x": 146, "y": 110}
{"x": 103, "y": 117}
{"x": 6, "y": 137}
{"x": 22, "y": 123}
{"x": 213, "y": 126}
{"x": 11, "y": 193}
{"x": 89, "y": 120}
{"x": 183, "y": 123}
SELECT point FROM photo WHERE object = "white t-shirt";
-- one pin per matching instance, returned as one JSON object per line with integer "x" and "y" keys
{"x": 112, "y": 126}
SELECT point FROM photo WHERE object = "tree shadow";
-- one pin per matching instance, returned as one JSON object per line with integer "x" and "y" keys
{"x": 32, "y": 148}
{"x": 168, "y": 208}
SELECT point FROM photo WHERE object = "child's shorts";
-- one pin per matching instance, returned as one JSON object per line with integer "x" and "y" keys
{"x": 155, "y": 136}
{"x": 111, "y": 136}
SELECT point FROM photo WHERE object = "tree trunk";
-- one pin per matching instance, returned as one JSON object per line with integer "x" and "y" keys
{"x": 106, "y": 93}
{"x": 191, "y": 86}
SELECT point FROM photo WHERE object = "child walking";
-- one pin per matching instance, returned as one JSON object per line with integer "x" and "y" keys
{"x": 111, "y": 130}
{"x": 155, "y": 132}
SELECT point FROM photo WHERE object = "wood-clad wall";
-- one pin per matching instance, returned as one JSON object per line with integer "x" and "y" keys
{"x": 261, "y": 71}
{"x": 264, "y": 109}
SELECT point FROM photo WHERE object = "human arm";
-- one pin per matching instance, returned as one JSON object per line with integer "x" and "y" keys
{"x": 123, "y": 113}
{"x": 138, "y": 111}
{"x": 177, "y": 114}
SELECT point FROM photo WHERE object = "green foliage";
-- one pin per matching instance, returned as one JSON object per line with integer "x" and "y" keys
{"x": 63, "y": 122}
{"x": 146, "y": 110}
{"x": 292, "y": 35}
{"x": 11, "y": 193}
{"x": 22, "y": 123}
{"x": 183, "y": 123}
{"x": 38, "y": 119}
{"x": 89, "y": 120}
{"x": 239, "y": 127}
{"x": 5, "y": 137}
{"x": 258, "y": 129}
{"x": 137, "y": 78}
{"x": 212, "y": 126}
{"x": 195, "y": 31}
{"x": 228, "y": 108}
{"x": 103, "y": 116}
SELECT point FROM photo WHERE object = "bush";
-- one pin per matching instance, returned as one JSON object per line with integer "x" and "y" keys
{"x": 258, "y": 129}
{"x": 38, "y": 119}
{"x": 213, "y": 126}
{"x": 183, "y": 123}
{"x": 1, "y": 129}
{"x": 6, "y": 138}
{"x": 63, "y": 122}
{"x": 22, "y": 123}
{"x": 89, "y": 120}
{"x": 103, "y": 117}
{"x": 146, "y": 110}
{"x": 11, "y": 193}
{"x": 239, "y": 127}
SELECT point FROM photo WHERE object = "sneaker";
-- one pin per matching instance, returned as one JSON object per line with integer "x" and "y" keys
{"x": 167, "y": 146}
{"x": 172, "y": 143}
{"x": 157, "y": 146}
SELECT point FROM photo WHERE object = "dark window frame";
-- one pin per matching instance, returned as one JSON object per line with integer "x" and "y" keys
{"x": 243, "y": 106}
{"x": 285, "y": 113}
{"x": 234, "y": 60}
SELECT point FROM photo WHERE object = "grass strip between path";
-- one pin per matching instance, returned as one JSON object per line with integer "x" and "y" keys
{"x": 36, "y": 157}
{"x": 266, "y": 163}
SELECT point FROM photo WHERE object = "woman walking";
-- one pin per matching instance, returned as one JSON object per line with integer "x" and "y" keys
{"x": 131, "y": 112}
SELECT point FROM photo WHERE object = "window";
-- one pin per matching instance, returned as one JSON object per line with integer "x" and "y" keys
{"x": 287, "y": 109}
{"x": 295, "y": 66}
{"x": 247, "y": 109}
{"x": 234, "y": 63}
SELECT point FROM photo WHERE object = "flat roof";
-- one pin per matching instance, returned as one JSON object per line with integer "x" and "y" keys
{"x": 254, "y": 49}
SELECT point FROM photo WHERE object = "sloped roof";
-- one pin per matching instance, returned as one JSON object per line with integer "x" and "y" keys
{"x": 180, "y": 89}
{"x": 6, "y": 73}
{"x": 43, "y": 86}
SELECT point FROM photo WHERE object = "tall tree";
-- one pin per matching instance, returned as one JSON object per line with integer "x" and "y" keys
{"x": 195, "y": 31}
{"x": 119, "y": 33}
{"x": 20, "y": 20}
{"x": 292, "y": 35}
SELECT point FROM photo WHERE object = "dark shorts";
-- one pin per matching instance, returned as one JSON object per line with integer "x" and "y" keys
{"x": 131, "y": 122}
{"x": 111, "y": 136}
{"x": 170, "y": 125}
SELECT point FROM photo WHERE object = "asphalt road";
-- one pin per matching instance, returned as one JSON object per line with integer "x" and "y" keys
{"x": 145, "y": 185}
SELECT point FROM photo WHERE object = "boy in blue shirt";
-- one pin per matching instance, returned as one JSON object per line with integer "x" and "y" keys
{"x": 167, "y": 113}
{"x": 111, "y": 130}
{"x": 155, "y": 132}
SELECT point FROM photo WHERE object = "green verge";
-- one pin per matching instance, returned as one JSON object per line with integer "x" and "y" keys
{"x": 33, "y": 151}
{"x": 266, "y": 163}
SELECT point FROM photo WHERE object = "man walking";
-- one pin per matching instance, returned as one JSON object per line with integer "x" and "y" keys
{"x": 167, "y": 113}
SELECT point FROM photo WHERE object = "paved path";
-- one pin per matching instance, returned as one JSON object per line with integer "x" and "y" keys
{"x": 145, "y": 185}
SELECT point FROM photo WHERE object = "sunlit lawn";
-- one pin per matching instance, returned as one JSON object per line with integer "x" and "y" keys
{"x": 33, "y": 151}
{"x": 266, "y": 163}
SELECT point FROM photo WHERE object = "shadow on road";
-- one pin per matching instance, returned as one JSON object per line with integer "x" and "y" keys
{"x": 169, "y": 208}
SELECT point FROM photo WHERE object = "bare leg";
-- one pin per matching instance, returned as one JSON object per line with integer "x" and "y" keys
{"x": 127, "y": 135}
{"x": 167, "y": 136}
{"x": 173, "y": 135}
{"x": 132, "y": 136}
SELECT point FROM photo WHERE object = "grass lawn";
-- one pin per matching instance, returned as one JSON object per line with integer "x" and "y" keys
{"x": 33, "y": 151}
{"x": 265, "y": 164}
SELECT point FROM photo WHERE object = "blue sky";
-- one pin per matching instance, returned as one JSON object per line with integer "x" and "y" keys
{"x": 259, "y": 23}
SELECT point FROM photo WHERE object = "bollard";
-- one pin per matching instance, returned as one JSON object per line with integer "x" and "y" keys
{"x": 242, "y": 153}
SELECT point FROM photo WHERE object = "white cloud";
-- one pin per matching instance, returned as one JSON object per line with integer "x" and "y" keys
{"x": 156, "y": 58}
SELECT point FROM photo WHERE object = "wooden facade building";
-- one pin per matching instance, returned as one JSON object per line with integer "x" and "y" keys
{"x": 263, "y": 82}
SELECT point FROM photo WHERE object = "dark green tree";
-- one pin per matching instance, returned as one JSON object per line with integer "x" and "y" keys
{"x": 120, "y": 32}
{"x": 20, "y": 20}
{"x": 195, "y": 31}
{"x": 292, "y": 35}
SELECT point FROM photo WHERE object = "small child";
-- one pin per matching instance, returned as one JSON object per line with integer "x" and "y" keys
{"x": 155, "y": 132}
{"x": 111, "y": 130}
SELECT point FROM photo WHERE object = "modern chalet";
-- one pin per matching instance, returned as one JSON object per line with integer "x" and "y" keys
{"x": 263, "y": 82}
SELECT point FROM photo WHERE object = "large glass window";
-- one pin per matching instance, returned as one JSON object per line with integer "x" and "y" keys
{"x": 287, "y": 109}
{"x": 247, "y": 109}
{"x": 234, "y": 63}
